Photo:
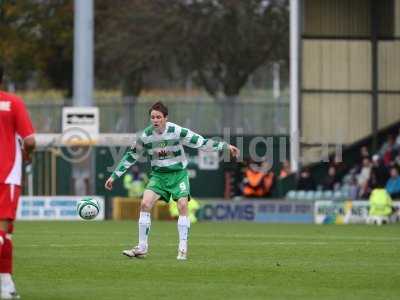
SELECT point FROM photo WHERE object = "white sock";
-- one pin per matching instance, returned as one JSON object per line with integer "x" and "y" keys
{"x": 7, "y": 283}
{"x": 144, "y": 228}
{"x": 183, "y": 230}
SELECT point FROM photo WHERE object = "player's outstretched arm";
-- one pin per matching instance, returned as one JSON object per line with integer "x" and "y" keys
{"x": 195, "y": 140}
{"x": 126, "y": 162}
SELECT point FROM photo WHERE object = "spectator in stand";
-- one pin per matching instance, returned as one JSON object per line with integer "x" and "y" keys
{"x": 393, "y": 184}
{"x": 350, "y": 184}
{"x": 353, "y": 187}
{"x": 373, "y": 182}
{"x": 389, "y": 156}
{"x": 285, "y": 170}
{"x": 397, "y": 142}
{"x": 269, "y": 177}
{"x": 258, "y": 180}
{"x": 331, "y": 181}
{"x": 252, "y": 180}
{"x": 379, "y": 170}
{"x": 388, "y": 150}
{"x": 364, "y": 153}
{"x": 396, "y": 162}
{"x": 363, "y": 178}
{"x": 389, "y": 141}
{"x": 339, "y": 166}
{"x": 305, "y": 181}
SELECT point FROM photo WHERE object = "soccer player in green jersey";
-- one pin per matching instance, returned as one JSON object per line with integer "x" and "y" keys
{"x": 163, "y": 143}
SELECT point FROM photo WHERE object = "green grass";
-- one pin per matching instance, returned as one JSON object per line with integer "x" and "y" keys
{"x": 82, "y": 260}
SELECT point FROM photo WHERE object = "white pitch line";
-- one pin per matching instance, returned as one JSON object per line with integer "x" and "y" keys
{"x": 211, "y": 243}
{"x": 241, "y": 236}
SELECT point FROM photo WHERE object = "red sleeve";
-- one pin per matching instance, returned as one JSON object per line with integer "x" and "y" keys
{"x": 23, "y": 123}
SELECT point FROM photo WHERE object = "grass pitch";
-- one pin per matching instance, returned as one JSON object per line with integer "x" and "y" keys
{"x": 82, "y": 260}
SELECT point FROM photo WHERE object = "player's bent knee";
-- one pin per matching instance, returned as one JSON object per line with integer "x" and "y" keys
{"x": 144, "y": 206}
{"x": 183, "y": 206}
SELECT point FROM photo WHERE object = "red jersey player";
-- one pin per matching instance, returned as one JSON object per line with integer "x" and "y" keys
{"x": 16, "y": 143}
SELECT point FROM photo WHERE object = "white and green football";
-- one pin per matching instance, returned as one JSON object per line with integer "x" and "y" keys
{"x": 88, "y": 208}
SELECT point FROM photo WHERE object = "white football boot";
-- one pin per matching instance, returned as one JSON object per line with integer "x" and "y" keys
{"x": 182, "y": 255}
{"x": 9, "y": 295}
{"x": 137, "y": 251}
{"x": 7, "y": 291}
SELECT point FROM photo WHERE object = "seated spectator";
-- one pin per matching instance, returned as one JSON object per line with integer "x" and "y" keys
{"x": 269, "y": 178}
{"x": 389, "y": 156}
{"x": 350, "y": 184}
{"x": 383, "y": 148}
{"x": 396, "y": 162}
{"x": 389, "y": 145}
{"x": 258, "y": 180}
{"x": 393, "y": 184}
{"x": 285, "y": 170}
{"x": 363, "y": 178}
{"x": 379, "y": 170}
{"x": 331, "y": 181}
{"x": 373, "y": 182}
{"x": 397, "y": 141}
{"x": 305, "y": 181}
{"x": 339, "y": 166}
{"x": 364, "y": 153}
{"x": 353, "y": 188}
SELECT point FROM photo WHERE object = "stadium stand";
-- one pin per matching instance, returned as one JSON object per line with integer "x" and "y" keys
{"x": 358, "y": 176}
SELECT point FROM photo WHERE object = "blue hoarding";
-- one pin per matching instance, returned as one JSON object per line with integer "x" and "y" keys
{"x": 257, "y": 211}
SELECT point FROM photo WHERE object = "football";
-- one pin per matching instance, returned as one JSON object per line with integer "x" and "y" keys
{"x": 88, "y": 208}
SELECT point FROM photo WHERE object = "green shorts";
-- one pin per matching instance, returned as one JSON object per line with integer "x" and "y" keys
{"x": 172, "y": 184}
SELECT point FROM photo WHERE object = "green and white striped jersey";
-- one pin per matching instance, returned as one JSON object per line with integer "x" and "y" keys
{"x": 165, "y": 150}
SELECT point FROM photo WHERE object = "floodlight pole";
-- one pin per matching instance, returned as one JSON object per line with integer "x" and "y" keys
{"x": 83, "y": 53}
{"x": 294, "y": 84}
{"x": 83, "y": 67}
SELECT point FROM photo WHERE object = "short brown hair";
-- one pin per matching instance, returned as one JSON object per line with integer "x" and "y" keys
{"x": 159, "y": 106}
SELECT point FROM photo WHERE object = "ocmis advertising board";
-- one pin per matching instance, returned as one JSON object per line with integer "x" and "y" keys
{"x": 257, "y": 211}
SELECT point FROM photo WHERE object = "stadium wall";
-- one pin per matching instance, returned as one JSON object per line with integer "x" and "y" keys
{"x": 350, "y": 84}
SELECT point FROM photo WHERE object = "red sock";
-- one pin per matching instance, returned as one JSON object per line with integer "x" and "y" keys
{"x": 6, "y": 256}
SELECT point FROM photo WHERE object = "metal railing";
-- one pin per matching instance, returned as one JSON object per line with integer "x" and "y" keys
{"x": 124, "y": 115}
